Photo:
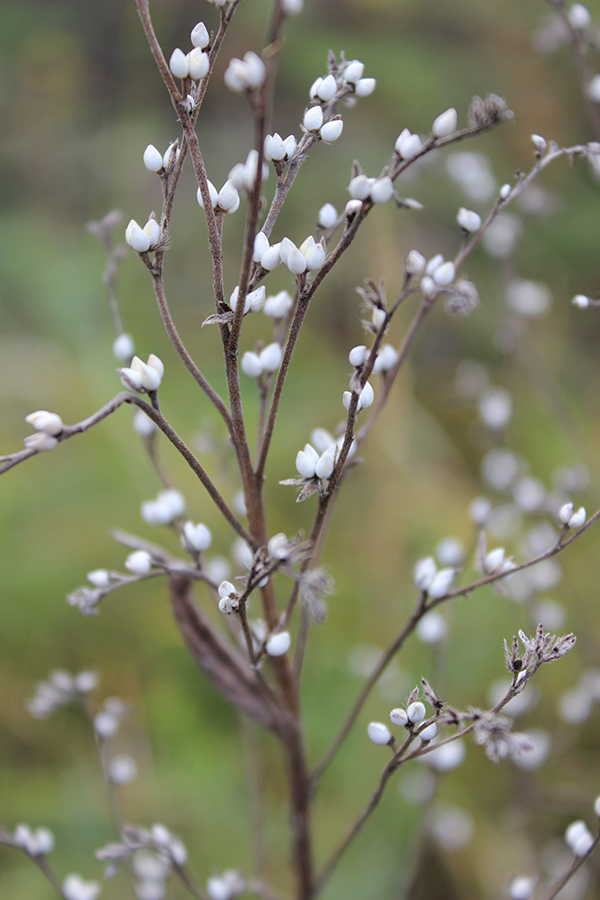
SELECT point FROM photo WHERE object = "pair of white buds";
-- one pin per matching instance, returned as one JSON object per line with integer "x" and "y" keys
{"x": 155, "y": 161}
{"x": 428, "y": 579}
{"x": 379, "y": 190}
{"x": 380, "y": 734}
{"x": 581, "y": 301}
{"x": 226, "y": 200}
{"x": 468, "y": 220}
{"x": 310, "y": 256}
{"x": 384, "y": 361}
{"x": 268, "y": 360}
{"x": 194, "y": 65}
{"x": 143, "y": 239}
{"x": 196, "y": 537}
{"x": 75, "y": 888}
{"x": 245, "y": 74}
{"x": 312, "y": 464}
{"x": 139, "y": 563}
{"x": 143, "y": 376}
{"x": 365, "y": 398}
{"x": 47, "y": 425}
{"x": 438, "y": 273}
{"x": 254, "y": 301}
{"x": 571, "y": 518}
{"x": 243, "y": 175}
{"x": 278, "y": 305}
{"x": 277, "y": 148}
{"x": 168, "y": 506}
{"x": 35, "y": 843}
{"x": 495, "y": 562}
{"x": 313, "y": 122}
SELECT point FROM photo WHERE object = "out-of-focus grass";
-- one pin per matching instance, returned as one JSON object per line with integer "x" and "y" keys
{"x": 80, "y": 102}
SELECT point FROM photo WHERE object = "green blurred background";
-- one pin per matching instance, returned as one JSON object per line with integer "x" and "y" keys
{"x": 80, "y": 100}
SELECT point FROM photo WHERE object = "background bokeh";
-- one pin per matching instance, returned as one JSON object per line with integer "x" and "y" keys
{"x": 80, "y": 100}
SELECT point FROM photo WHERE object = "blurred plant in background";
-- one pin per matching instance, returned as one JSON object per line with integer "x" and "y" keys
{"x": 479, "y": 463}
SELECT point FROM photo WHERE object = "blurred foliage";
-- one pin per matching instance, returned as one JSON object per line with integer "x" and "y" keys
{"x": 80, "y": 100}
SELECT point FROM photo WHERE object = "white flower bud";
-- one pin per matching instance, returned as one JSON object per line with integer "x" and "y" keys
{"x": 278, "y": 644}
{"x": 23, "y": 837}
{"x": 105, "y": 724}
{"x": 378, "y": 318}
{"x": 583, "y": 845}
{"x": 415, "y": 263}
{"x": 434, "y": 263}
{"x": 352, "y": 207}
{"x": 251, "y": 364}
{"x": 123, "y": 347}
{"x": 480, "y": 510}
{"x": 408, "y": 145}
{"x": 577, "y": 519}
{"x": 382, "y": 190}
{"x": 270, "y": 358}
{"x": 539, "y": 142}
{"x": 327, "y": 216}
{"x": 143, "y": 425}
{"x": 152, "y": 229}
{"x": 271, "y": 258}
{"x": 597, "y": 806}
{"x": 379, "y": 733}
{"x": 198, "y": 63}
{"x": 274, "y": 147}
{"x": 416, "y": 712}
{"x": 359, "y": 187}
{"x": 86, "y": 681}
{"x": 444, "y": 274}
{"x": 153, "y": 159}
{"x": 228, "y": 198}
{"x": 43, "y": 840}
{"x": 428, "y": 733}
{"x": 213, "y": 193}
{"x": 327, "y": 88}
{"x": 48, "y": 422}
{"x": 594, "y": 89}
{"x": 256, "y": 69}
{"x": 386, "y": 359}
{"x": 278, "y": 546}
{"x": 424, "y": 572}
{"x": 574, "y": 832}
{"x": 399, "y": 717}
{"x": 198, "y": 537}
{"x": 296, "y": 261}
{"x": 445, "y": 123}
{"x": 313, "y": 118}
{"x": 441, "y": 583}
{"x": 150, "y": 373}
{"x": 178, "y": 64}
{"x": 168, "y": 153}
{"x": 505, "y": 191}
{"x": 326, "y": 462}
{"x": 75, "y": 888}
{"x": 40, "y": 441}
{"x": 314, "y": 256}
{"x": 278, "y": 305}
{"x": 122, "y": 769}
{"x": 581, "y": 301}
{"x": 331, "y": 131}
{"x": 136, "y": 237}
{"x": 521, "y": 888}
{"x": 494, "y": 559}
{"x": 579, "y": 16}
{"x": 321, "y": 439}
{"x": 427, "y": 286}
{"x": 199, "y": 36}
{"x": 139, "y": 563}
{"x": 306, "y": 461}
{"x": 353, "y": 71}
{"x": 292, "y": 7}
{"x": 358, "y": 355}
{"x": 468, "y": 219}
{"x": 364, "y": 87}
{"x": 566, "y": 512}
{"x": 290, "y": 145}
{"x": 366, "y": 396}
{"x": 431, "y": 628}
{"x": 99, "y": 578}
{"x": 226, "y": 589}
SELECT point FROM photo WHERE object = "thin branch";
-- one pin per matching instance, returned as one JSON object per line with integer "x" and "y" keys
{"x": 578, "y": 861}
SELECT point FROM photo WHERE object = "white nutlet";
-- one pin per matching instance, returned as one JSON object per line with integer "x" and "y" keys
{"x": 123, "y": 347}
{"x": 382, "y": 190}
{"x": 47, "y": 422}
{"x": 326, "y": 88}
{"x": 139, "y": 563}
{"x": 331, "y": 131}
{"x": 594, "y": 89}
{"x": 251, "y": 364}
{"x": 153, "y": 159}
{"x": 199, "y": 36}
{"x": 270, "y": 357}
{"x": 444, "y": 274}
{"x": 354, "y": 71}
{"x": 306, "y": 461}
{"x": 578, "y": 518}
{"x": 539, "y": 142}
{"x": 415, "y": 263}
{"x": 428, "y": 733}
{"x": 581, "y": 301}
{"x": 278, "y": 305}
{"x": 364, "y": 87}
{"x": 379, "y": 733}
{"x": 278, "y": 644}
{"x": 136, "y": 237}
{"x": 358, "y": 355}
{"x": 441, "y": 584}
{"x": 445, "y": 123}
{"x": 416, "y": 712}
{"x": 399, "y": 717}
{"x": 40, "y": 442}
{"x": 198, "y": 537}
{"x": 198, "y": 63}
{"x": 326, "y": 462}
{"x": 468, "y": 220}
{"x": 521, "y": 888}
{"x": 579, "y": 16}
{"x": 313, "y": 118}
{"x": 327, "y": 216}
{"x": 424, "y": 572}
{"x": 178, "y": 64}
{"x": 75, "y": 888}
